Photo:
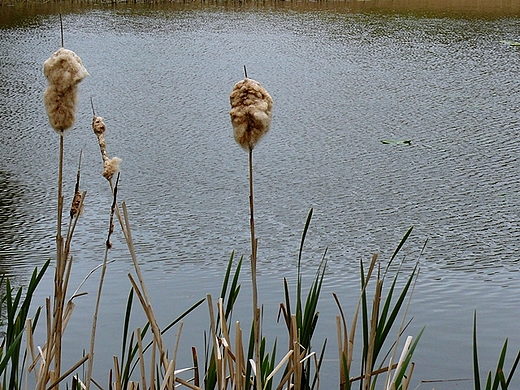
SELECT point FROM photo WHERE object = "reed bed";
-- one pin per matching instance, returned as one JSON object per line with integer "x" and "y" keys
{"x": 234, "y": 358}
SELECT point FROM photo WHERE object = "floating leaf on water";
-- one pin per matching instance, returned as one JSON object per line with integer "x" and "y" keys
{"x": 396, "y": 141}
{"x": 511, "y": 43}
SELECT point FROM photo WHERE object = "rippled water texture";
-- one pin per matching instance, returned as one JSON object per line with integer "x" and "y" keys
{"x": 341, "y": 83}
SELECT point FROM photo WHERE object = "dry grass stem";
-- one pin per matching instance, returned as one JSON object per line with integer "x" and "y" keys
{"x": 239, "y": 358}
{"x": 195, "y": 366}
{"x": 69, "y": 371}
{"x": 187, "y": 384}
{"x": 100, "y": 289}
{"x": 279, "y": 366}
{"x": 152, "y": 361}
{"x": 176, "y": 348}
{"x": 117, "y": 383}
{"x": 143, "y": 295}
{"x": 153, "y": 323}
{"x": 141, "y": 357}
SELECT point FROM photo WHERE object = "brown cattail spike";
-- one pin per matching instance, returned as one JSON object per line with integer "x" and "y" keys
{"x": 76, "y": 202}
{"x": 64, "y": 71}
{"x": 251, "y": 107}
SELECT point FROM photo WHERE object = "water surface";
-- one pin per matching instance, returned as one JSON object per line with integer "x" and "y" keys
{"x": 342, "y": 81}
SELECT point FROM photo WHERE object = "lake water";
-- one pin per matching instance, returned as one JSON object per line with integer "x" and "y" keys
{"x": 343, "y": 76}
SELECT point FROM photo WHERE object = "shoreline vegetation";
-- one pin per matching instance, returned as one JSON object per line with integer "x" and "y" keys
{"x": 455, "y": 8}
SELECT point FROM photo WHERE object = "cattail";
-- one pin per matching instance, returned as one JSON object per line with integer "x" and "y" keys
{"x": 251, "y": 107}
{"x": 64, "y": 71}
{"x": 75, "y": 209}
{"x": 98, "y": 125}
{"x": 250, "y": 112}
{"x": 110, "y": 165}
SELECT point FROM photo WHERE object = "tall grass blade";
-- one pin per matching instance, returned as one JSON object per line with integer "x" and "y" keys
{"x": 500, "y": 366}
{"x": 401, "y": 243}
{"x": 513, "y": 369}
{"x": 476, "y": 373}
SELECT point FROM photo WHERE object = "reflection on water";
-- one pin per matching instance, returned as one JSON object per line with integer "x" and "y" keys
{"x": 20, "y": 233}
{"x": 342, "y": 82}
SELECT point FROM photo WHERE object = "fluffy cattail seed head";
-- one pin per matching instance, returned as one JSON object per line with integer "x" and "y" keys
{"x": 250, "y": 113}
{"x": 64, "y": 71}
{"x": 98, "y": 125}
{"x": 111, "y": 166}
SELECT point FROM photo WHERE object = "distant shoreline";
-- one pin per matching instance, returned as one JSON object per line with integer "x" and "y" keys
{"x": 470, "y": 8}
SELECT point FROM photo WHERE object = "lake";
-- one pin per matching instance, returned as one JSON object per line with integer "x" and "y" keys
{"x": 344, "y": 76}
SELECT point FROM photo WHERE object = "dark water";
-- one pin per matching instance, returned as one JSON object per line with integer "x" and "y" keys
{"x": 342, "y": 81}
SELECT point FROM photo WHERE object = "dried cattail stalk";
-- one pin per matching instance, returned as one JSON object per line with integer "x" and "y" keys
{"x": 64, "y": 71}
{"x": 251, "y": 107}
{"x": 110, "y": 165}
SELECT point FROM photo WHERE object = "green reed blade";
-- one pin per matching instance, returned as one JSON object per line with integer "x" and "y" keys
{"x": 476, "y": 374}
{"x": 488, "y": 381}
{"x": 287, "y": 308}
{"x": 234, "y": 290}
{"x": 318, "y": 368}
{"x": 383, "y": 333}
{"x": 299, "y": 282}
{"x": 502, "y": 380}
{"x": 403, "y": 240}
{"x": 126, "y": 324}
{"x": 226, "y": 276}
{"x": 500, "y": 366}
{"x": 513, "y": 369}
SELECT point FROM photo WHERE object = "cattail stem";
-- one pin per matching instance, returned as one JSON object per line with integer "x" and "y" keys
{"x": 254, "y": 242}
{"x": 61, "y": 31}
{"x": 100, "y": 288}
{"x": 58, "y": 279}
{"x": 59, "y": 238}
